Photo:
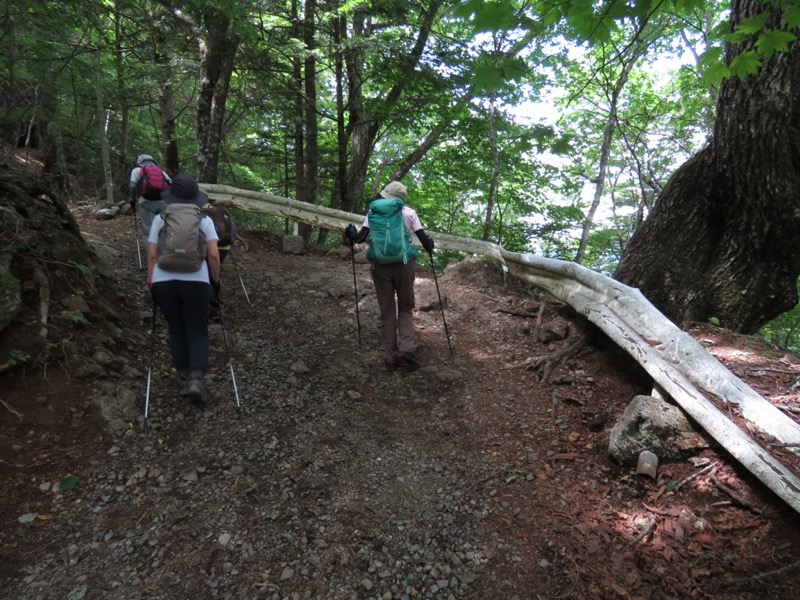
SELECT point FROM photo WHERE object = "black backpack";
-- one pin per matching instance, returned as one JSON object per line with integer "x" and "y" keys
{"x": 226, "y": 230}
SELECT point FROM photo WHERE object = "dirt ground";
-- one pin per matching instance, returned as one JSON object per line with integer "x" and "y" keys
{"x": 580, "y": 526}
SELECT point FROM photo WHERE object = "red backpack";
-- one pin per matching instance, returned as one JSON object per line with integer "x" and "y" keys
{"x": 152, "y": 182}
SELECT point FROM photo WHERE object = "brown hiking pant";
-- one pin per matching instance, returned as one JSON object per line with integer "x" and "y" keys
{"x": 396, "y": 317}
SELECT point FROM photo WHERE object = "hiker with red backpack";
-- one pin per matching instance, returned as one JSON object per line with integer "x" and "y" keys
{"x": 182, "y": 262}
{"x": 147, "y": 183}
{"x": 387, "y": 227}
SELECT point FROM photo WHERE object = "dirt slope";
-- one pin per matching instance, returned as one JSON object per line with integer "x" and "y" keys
{"x": 469, "y": 478}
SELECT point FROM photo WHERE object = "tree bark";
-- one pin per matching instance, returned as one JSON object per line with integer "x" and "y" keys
{"x": 722, "y": 239}
{"x": 217, "y": 52}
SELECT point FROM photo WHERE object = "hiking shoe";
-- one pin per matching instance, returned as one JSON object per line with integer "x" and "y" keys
{"x": 408, "y": 360}
{"x": 196, "y": 391}
{"x": 390, "y": 365}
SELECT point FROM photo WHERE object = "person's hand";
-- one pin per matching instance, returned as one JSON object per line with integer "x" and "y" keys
{"x": 134, "y": 204}
{"x": 150, "y": 287}
{"x": 217, "y": 287}
{"x": 428, "y": 245}
{"x": 351, "y": 232}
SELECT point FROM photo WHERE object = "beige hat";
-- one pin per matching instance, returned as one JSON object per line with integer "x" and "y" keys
{"x": 394, "y": 189}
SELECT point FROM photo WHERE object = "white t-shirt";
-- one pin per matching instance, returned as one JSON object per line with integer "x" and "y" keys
{"x": 207, "y": 226}
{"x": 409, "y": 216}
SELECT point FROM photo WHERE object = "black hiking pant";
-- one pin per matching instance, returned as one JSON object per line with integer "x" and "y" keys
{"x": 185, "y": 306}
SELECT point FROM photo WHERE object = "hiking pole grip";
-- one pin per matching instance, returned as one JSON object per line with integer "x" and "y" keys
{"x": 355, "y": 289}
{"x": 441, "y": 305}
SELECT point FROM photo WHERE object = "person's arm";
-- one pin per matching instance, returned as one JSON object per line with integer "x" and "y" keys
{"x": 212, "y": 257}
{"x": 152, "y": 253}
{"x": 133, "y": 185}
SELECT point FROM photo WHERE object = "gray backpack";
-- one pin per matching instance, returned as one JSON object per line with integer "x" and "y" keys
{"x": 181, "y": 242}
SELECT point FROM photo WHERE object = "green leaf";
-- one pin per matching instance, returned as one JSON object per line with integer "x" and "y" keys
{"x": 747, "y": 63}
{"x": 671, "y": 486}
{"x": 715, "y": 73}
{"x": 791, "y": 16}
{"x": 69, "y": 482}
{"x": 714, "y": 321}
{"x": 753, "y": 24}
{"x": 774, "y": 41}
{"x": 20, "y": 532}
{"x": 495, "y": 16}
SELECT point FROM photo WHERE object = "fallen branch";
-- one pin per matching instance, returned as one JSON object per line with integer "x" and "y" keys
{"x": 734, "y": 495}
{"x": 11, "y": 409}
{"x": 647, "y": 531}
{"x": 762, "y": 576}
{"x": 690, "y": 477}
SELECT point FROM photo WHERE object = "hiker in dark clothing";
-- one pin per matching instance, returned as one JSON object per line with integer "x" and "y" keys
{"x": 148, "y": 208}
{"x": 182, "y": 295}
{"x": 394, "y": 285}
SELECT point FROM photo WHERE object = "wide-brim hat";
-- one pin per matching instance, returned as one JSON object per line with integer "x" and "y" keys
{"x": 395, "y": 189}
{"x": 184, "y": 190}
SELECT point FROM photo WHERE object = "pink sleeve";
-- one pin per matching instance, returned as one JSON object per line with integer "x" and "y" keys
{"x": 411, "y": 219}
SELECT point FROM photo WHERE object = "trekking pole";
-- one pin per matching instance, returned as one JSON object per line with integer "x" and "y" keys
{"x": 230, "y": 360}
{"x": 235, "y": 266}
{"x": 441, "y": 306}
{"x": 136, "y": 231}
{"x": 355, "y": 288}
{"x": 150, "y": 362}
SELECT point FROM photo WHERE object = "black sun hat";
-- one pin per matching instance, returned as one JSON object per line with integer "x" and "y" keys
{"x": 184, "y": 190}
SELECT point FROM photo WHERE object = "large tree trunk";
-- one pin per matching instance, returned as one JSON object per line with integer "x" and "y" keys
{"x": 217, "y": 52}
{"x": 722, "y": 239}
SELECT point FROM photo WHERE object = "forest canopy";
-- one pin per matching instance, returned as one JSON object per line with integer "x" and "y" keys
{"x": 547, "y": 128}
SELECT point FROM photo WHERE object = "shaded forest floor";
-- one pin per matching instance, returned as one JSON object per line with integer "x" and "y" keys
{"x": 530, "y": 455}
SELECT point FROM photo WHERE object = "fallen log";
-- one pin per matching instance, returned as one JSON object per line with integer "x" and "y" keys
{"x": 674, "y": 359}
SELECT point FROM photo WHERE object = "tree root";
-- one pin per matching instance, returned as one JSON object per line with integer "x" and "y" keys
{"x": 44, "y": 299}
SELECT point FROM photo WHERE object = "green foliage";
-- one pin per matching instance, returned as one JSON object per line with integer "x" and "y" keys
{"x": 78, "y": 319}
{"x": 69, "y": 482}
{"x": 17, "y": 356}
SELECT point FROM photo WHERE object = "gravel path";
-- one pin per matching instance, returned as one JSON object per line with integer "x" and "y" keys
{"x": 336, "y": 479}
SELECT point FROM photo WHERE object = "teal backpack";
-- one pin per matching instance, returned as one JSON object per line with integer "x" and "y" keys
{"x": 389, "y": 238}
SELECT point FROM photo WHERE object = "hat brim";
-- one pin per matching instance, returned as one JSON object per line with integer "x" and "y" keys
{"x": 200, "y": 200}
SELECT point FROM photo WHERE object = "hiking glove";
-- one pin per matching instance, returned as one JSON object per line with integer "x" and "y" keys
{"x": 362, "y": 235}
{"x": 350, "y": 232}
{"x": 217, "y": 286}
{"x": 426, "y": 242}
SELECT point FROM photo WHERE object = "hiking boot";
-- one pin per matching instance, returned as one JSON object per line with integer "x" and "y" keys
{"x": 390, "y": 365}
{"x": 408, "y": 360}
{"x": 196, "y": 391}
{"x": 183, "y": 374}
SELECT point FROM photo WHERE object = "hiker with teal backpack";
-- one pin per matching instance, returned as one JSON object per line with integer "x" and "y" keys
{"x": 387, "y": 228}
{"x": 182, "y": 260}
{"x": 147, "y": 182}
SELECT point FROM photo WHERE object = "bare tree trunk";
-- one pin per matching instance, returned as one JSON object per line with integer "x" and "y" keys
{"x": 339, "y": 197}
{"x": 365, "y": 128}
{"x": 311, "y": 162}
{"x": 487, "y": 223}
{"x": 605, "y": 149}
{"x": 217, "y": 53}
{"x": 723, "y": 239}
{"x": 102, "y": 121}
